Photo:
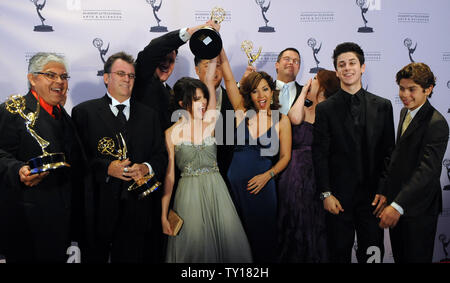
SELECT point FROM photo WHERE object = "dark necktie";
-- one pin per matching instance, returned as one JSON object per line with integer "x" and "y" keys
{"x": 120, "y": 115}
{"x": 355, "y": 108}
{"x": 56, "y": 113}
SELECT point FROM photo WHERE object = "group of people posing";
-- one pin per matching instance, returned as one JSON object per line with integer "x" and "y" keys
{"x": 303, "y": 169}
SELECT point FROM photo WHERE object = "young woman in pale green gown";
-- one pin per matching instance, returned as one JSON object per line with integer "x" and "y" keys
{"x": 212, "y": 231}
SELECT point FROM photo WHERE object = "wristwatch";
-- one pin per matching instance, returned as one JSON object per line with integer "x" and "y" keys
{"x": 324, "y": 195}
{"x": 272, "y": 174}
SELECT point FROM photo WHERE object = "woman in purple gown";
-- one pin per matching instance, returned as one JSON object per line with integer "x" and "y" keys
{"x": 301, "y": 217}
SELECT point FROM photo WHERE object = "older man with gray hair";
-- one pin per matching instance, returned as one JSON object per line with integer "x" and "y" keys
{"x": 36, "y": 202}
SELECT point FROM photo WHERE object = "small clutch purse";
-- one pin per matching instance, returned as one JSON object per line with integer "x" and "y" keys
{"x": 175, "y": 222}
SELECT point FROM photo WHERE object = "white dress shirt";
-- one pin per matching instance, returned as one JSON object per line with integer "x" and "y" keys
{"x": 292, "y": 90}
{"x": 126, "y": 112}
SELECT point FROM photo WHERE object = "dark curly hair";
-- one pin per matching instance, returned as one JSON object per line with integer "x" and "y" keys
{"x": 348, "y": 47}
{"x": 420, "y": 73}
{"x": 251, "y": 82}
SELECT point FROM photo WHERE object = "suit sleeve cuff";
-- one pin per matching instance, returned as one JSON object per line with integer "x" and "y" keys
{"x": 184, "y": 34}
{"x": 397, "y": 207}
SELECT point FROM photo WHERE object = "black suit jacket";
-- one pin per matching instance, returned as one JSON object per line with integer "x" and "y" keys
{"x": 145, "y": 143}
{"x": 148, "y": 89}
{"x": 334, "y": 155}
{"x": 224, "y": 151}
{"x": 29, "y": 216}
{"x": 412, "y": 179}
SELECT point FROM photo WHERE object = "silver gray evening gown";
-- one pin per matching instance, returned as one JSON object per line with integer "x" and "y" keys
{"x": 212, "y": 231}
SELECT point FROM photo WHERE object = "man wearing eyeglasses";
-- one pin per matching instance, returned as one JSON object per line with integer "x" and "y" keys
{"x": 122, "y": 228}
{"x": 35, "y": 209}
{"x": 154, "y": 65}
{"x": 287, "y": 67}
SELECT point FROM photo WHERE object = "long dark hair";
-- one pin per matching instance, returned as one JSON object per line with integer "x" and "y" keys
{"x": 184, "y": 90}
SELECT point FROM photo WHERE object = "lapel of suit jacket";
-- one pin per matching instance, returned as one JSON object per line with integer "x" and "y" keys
{"x": 371, "y": 118}
{"x": 400, "y": 122}
{"x": 417, "y": 120}
{"x": 106, "y": 114}
{"x": 298, "y": 91}
{"x": 31, "y": 102}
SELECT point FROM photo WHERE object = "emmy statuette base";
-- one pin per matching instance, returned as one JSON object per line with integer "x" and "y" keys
{"x": 43, "y": 28}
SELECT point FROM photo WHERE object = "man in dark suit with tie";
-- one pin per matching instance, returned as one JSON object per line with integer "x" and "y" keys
{"x": 121, "y": 227}
{"x": 412, "y": 179}
{"x": 154, "y": 65}
{"x": 353, "y": 134}
{"x": 225, "y": 125}
{"x": 36, "y": 208}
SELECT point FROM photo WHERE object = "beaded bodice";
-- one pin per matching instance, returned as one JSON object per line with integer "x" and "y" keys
{"x": 197, "y": 159}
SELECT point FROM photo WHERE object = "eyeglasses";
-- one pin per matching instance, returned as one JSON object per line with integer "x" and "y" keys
{"x": 288, "y": 59}
{"x": 122, "y": 74}
{"x": 53, "y": 76}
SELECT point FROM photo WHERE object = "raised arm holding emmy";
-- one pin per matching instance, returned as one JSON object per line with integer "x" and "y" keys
{"x": 154, "y": 65}
{"x": 39, "y": 156}
{"x": 212, "y": 231}
{"x": 263, "y": 139}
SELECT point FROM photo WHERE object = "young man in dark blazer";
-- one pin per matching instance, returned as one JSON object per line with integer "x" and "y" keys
{"x": 122, "y": 227}
{"x": 36, "y": 208}
{"x": 412, "y": 180}
{"x": 353, "y": 134}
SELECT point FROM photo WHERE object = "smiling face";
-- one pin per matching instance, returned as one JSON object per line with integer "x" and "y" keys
{"x": 52, "y": 91}
{"x": 120, "y": 87}
{"x": 412, "y": 94}
{"x": 166, "y": 66}
{"x": 349, "y": 70}
{"x": 288, "y": 66}
{"x": 262, "y": 96}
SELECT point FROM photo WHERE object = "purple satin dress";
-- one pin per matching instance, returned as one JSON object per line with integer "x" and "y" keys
{"x": 301, "y": 217}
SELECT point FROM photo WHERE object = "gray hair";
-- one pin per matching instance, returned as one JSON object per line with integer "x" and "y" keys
{"x": 40, "y": 59}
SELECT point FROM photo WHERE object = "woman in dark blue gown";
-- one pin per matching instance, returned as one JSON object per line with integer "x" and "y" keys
{"x": 301, "y": 216}
{"x": 262, "y": 150}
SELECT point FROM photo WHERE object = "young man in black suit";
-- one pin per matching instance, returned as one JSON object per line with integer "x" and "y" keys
{"x": 121, "y": 226}
{"x": 353, "y": 134}
{"x": 412, "y": 180}
{"x": 36, "y": 208}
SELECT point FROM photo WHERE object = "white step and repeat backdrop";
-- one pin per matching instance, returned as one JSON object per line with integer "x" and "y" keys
{"x": 392, "y": 34}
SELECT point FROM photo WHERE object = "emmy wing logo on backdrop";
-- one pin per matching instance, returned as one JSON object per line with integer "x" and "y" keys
{"x": 264, "y": 10}
{"x": 312, "y": 43}
{"x": 443, "y": 239}
{"x": 156, "y": 8}
{"x": 43, "y": 27}
{"x": 408, "y": 43}
{"x": 446, "y": 164}
{"x": 362, "y": 4}
{"x": 98, "y": 43}
{"x": 448, "y": 86}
